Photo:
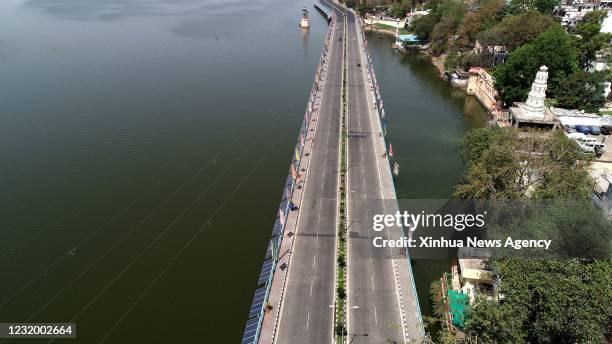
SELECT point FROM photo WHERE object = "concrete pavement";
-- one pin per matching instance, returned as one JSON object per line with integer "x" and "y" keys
{"x": 373, "y": 301}
{"x": 307, "y": 311}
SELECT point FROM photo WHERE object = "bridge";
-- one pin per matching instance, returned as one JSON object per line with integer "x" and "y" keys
{"x": 340, "y": 176}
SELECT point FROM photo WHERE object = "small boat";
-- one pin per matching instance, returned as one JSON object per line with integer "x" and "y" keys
{"x": 305, "y": 22}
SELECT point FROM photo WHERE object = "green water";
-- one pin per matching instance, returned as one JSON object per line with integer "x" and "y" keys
{"x": 143, "y": 158}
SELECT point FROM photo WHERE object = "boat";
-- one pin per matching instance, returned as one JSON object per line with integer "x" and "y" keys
{"x": 305, "y": 22}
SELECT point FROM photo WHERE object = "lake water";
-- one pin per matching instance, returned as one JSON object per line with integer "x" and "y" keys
{"x": 144, "y": 145}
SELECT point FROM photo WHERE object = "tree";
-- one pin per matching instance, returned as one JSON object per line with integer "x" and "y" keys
{"x": 423, "y": 26}
{"x": 546, "y": 301}
{"x": 441, "y": 24}
{"x": 582, "y": 90}
{"x": 590, "y": 40}
{"x": 399, "y": 9}
{"x": 514, "y": 31}
{"x": 543, "y": 6}
{"x": 441, "y": 34}
{"x": 475, "y": 142}
{"x": 551, "y": 48}
{"x": 474, "y": 22}
{"x": 363, "y": 7}
{"x": 506, "y": 165}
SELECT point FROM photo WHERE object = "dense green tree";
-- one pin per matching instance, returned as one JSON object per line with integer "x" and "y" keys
{"x": 581, "y": 90}
{"x": 551, "y": 48}
{"x": 589, "y": 39}
{"x": 504, "y": 164}
{"x": 474, "y": 22}
{"x": 521, "y": 6}
{"x": 475, "y": 142}
{"x": 514, "y": 31}
{"x": 576, "y": 228}
{"x": 441, "y": 24}
{"x": 423, "y": 26}
{"x": 441, "y": 34}
{"x": 363, "y": 7}
{"x": 399, "y": 9}
{"x": 546, "y": 301}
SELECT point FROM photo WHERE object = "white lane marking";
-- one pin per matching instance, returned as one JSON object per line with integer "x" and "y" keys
{"x": 375, "y": 316}
{"x": 373, "y": 288}
{"x": 314, "y": 261}
{"x": 308, "y": 320}
{"x": 311, "y": 283}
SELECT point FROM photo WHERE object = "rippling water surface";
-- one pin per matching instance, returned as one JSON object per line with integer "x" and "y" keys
{"x": 143, "y": 147}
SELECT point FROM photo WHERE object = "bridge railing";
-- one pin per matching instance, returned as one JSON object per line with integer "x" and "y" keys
{"x": 324, "y": 8}
{"x": 262, "y": 293}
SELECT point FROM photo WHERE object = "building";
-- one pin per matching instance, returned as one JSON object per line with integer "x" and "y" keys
{"x": 459, "y": 78}
{"x": 533, "y": 113}
{"x": 570, "y": 15}
{"x": 414, "y": 14}
{"x": 570, "y": 118}
{"x": 481, "y": 84}
{"x": 473, "y": 266}
{"x": 459, "y": 289}
{"x": 601, "y": 172}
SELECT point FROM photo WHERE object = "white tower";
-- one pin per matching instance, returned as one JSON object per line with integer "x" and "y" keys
{"x": 534, "y": 107}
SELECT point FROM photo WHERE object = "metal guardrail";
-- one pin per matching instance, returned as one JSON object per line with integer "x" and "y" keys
{"x": 252, "y": 332}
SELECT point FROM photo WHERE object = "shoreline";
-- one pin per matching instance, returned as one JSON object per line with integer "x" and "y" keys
{"x": 437, "y": 61}
{"x": 385, "y": 31}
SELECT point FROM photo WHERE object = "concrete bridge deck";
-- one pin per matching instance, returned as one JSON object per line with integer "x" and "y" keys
{"x": 382, "y": 302}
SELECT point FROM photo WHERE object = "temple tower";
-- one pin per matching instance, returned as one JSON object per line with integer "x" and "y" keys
{"x": 534, "y": 107}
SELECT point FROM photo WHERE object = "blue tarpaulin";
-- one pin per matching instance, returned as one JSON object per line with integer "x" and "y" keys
{"x": 409, "y": 38}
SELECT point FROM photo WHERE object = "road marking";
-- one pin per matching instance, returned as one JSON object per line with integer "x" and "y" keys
{"x": 314, "y": 261}
{"x": 308, "y": 320}
{"x": 375, "y": 316}
{"x": 373, "y": 288}
{"x": 355, "y": 307}
{"x": 311, "y": 282}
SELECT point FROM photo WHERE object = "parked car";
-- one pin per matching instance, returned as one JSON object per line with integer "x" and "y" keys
{"x": 606, "y": 129}
{"x": 583, "y": 129}
{"x": 595, "y": 129}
